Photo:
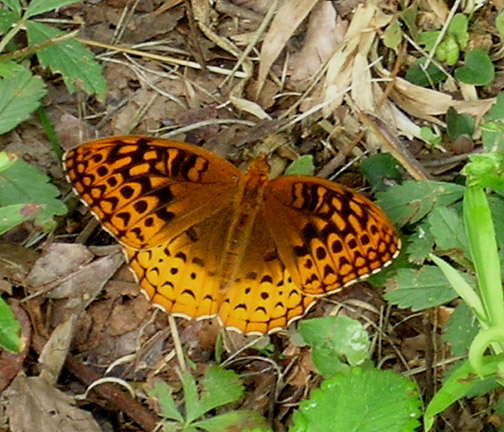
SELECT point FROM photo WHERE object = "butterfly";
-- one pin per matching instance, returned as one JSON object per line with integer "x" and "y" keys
{"x": 205, "y": 239}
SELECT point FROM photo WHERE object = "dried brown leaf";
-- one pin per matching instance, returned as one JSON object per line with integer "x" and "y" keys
{"x": 290, "y": 14}
{"x": 36, "y": 406}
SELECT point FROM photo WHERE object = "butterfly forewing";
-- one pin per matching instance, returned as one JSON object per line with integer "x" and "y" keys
{"x": 146, "y": 191}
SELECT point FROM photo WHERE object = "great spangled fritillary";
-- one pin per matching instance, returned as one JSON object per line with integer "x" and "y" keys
{"x": 205, "y": 239}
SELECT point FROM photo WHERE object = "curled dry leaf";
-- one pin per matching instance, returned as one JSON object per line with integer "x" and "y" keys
{"x": 55, "y": 351}
{"x": 286, "y": 21}
{"x": 324, "y": 33}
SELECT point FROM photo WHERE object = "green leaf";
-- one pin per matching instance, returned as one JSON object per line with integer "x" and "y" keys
{"x": 233, "y": 420}
{"x": 335, "y": 339}
{"x": 421, "y": 289}
{"x": 478, "y": 69}
{"x": 23, "y": 184}
{"x": 458, "y": 29}
{"x": 379, "y": 169}
{"x": 14, "y": 5}
{"x": 448, "y": 51}
{"x": 499, "y": 23}
{"x": 448, "y": 229}
{"x": 221, "y": 386}
{"x": 486, "y": 170}
{"x": 461, "y": 329}
{"x": 457, "y": 386}
{"x": 7, "y": 20}
{"x": 13, "y": 215}
{"x": 497, "y": 110}
{"x": 9, "y": 329}
{"x": 428, "y": 39}
{"x": 70, "y": 58}
{"x": 361, "y": 400}
{"x": 302, "y": 166}
{"x": 416, "y": 74}
{"x": 428, "y": 135}
{"x": 392, "y": 36}
{"x": 458, "y": 125}
{"x": 412, "y": 201}
{"x": 20, "y": 95}
{"x": 192, "y": 405}
{"x": 410, "y": 16}
{"x": 37, "y": 7}
{"x": 483, "y": 244}
{"x": 421, "y": 243}
{"x": 162, "y": 393}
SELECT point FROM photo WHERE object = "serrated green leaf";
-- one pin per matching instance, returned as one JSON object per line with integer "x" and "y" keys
{"x": 302, "y": 166}
{"x": 162, "y": 393}
{"x": 448, "y": 229}
{"x": 37, "y": 7}
{"x": 9, "y": 329}
{"x": 7, "y": 20}
{"x": 191, "y": 399}
{"x": 421, "y": 243}
{"x": 20, "y": 95}
{"x": 338, "y": 338}
{"x": 361, "y": 400}
{"x": 23, "y": 184}
{"x": 411, "y": 201}
{"x": 14, "y": 5}
{"x": 70, "y": 58}
{"x": 13, "y": 215}
{"x": 478, "y": 69}
{"x": 380, "y": 168}
{"x": 461, "y": 329}
{"x": 421, "y": 289}
{"x": 221, "y": 386}
{"x": 233, "y": 420}
{"x": 486, "y": 170}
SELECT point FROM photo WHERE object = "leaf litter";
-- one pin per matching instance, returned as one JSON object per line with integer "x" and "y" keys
{"x": 307, "y": 72}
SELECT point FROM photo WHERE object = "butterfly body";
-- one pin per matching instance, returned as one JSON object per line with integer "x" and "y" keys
{"x": 204, "y": 239}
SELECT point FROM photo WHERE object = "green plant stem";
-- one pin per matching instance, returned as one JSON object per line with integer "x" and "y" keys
{"x": 11, "y": 33}
{"x": 481, "y": 342}
{"x": 483, "y": 246}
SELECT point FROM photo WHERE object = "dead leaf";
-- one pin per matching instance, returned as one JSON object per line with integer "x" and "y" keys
{"x": 55, "y": 351}
{"x": 324, "y": 33}
{"x": 36, "y": 406}
{"x": 58, "y": 260}
{"x": 288, "y": 18}
{"x": 82, "y": 287}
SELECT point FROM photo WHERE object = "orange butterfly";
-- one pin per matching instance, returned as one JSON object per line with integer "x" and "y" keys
{"x": 205, "y": 239}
